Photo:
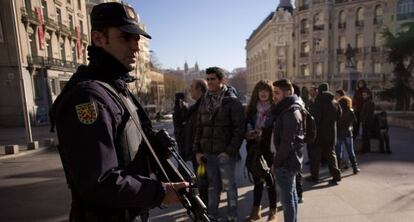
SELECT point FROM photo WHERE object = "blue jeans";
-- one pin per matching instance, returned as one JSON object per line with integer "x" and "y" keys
{"x": 289, "y": 197}
{"x": 221, "y": 175}
{"x": 349, "y": 145}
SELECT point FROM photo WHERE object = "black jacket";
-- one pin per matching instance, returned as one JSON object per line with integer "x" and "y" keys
{"x": 104, "y": 157}
{"x": 326, "y": 112}
{"x": 265, "y": 138}
{"x": 288, "y": 133}
{"x": 224, "y": 132}
{"x": 346, "y": 122}
{"x": 190, "y": 116}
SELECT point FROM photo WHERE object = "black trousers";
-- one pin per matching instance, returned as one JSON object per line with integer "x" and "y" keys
{"x": 320, "y": 151}
{"x": 271, "y": 190}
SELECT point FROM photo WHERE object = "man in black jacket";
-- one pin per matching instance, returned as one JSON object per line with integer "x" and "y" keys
{"x": 288, "y": 138}
{"x": 102, "y": 150}
{"x": 326, "y": 112}
{"x": 219, "y": 134}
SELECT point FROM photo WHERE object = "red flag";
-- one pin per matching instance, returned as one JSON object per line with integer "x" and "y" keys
{"x": 40, "y": 28}
{"x": 78, "y": 41}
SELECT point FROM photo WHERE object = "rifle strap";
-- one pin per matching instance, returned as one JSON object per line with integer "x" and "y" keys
{"x": 124, "y": 101}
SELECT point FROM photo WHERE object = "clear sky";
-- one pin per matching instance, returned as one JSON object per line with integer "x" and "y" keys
{"x": 211, "y": 32}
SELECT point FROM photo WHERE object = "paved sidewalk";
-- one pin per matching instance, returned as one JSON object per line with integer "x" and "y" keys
{"x": 32, "y": 188}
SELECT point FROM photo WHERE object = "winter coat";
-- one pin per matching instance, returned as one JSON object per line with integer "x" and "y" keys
{"x": 288, "y": 134}
{"x": 224, "y": 130}
{"x": 326, "y": 112}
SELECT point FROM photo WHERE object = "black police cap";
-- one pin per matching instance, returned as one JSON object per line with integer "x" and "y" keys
{"x": 114, "y": 14}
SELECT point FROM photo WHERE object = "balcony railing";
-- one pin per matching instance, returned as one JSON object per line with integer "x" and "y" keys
{"x": 342, "y": 25}
{"x": 359, "y": 23}
{"x": 304, "y": 54}
{"x": 339, "y": 51}
{"x": 29, "y": 15}
{"x": 340, "y": 1}
{"x": 318, "y": 27}
{"x": 47, "y": 61}
{"x": 304, "y": 31}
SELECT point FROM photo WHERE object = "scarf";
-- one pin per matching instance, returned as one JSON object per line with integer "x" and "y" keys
{"x": 262, "y": 114}
{"x": 213, "y": 100}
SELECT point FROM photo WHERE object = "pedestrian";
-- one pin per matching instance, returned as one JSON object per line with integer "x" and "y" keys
{"x": 259, "y": 126}
{"x": 198, "y": 89}
{"x": 179, "y": 121}
{"x": 299, "y": 176}
{"x": 313, "y": 92}
{"x": 219, "y": 135}
{"x": 103, "y": 153}
{"x": 326, "y": 112}
{"x": 367, "y": 121}
{"x": 381, "y": 131}
{"x": 344, "y": 136}
{"x": 288, "y": 138}
{"x": 339, "y": 94}
{"x": 358, "y": 102}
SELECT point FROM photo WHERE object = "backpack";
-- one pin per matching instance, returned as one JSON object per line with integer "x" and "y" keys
{"x": 309, "y": 126}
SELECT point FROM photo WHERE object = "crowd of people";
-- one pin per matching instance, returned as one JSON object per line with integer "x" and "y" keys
{"x": 110, "y": 152}
{"x": 274, "y": 124}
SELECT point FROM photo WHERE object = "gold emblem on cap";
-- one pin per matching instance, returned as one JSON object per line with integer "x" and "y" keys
{"x": 130, "y": 12}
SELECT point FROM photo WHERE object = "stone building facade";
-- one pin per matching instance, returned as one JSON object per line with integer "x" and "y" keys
{"x": 269, "y": 49}
{"x": 321, "y": 31}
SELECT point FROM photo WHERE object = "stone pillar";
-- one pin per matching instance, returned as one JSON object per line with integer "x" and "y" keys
{"x": 349, "y": 84}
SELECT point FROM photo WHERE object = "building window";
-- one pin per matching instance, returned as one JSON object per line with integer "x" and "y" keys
{"x": 378, "y": 14}
{"x": 62, "y": 51}
{"x": 49, "y": 48}
{"x": 304, "y": 26}
{"x": 405, "y": 9}
{"x": 341, "y": 67}
{"x": 74, "y": 52}
{"x": 342, "y": 42}
{"x": 317, "y": 44}
{"x": 44, "y": 8}
{"x": 32, "y": 43}
{"x": 318, "y": 68}
{"x": 81, "y": 26}
{"x": 318, "y": 23}
{"x": 53, "y": 86}
{"x": 378, "y": 40}
{"x": 79, "y": 4}
{"x": 304, "y": 51}
{"x": 70, "y": 18}
{"x": 37, "y": 86}
{"x": 304, "y": 70}
{"x": 359, "y": 42}
{"x": 359, "y": 65}
{"x": 359, "y": 17}
{"x": 342, "y": 20}
{"x": 58, "y": 16}
{"x": 377, "y": 68}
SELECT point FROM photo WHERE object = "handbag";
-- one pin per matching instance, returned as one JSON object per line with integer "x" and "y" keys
{"x": 256, "y": 163}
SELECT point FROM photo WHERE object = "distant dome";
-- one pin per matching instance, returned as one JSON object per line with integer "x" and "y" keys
{"x": 286, "y": 5}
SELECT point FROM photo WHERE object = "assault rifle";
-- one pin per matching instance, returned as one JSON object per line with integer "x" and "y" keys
{"x": 165, "y": 148}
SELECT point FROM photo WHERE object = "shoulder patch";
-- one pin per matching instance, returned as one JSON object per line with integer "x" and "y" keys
{"x": 87, "y": 112}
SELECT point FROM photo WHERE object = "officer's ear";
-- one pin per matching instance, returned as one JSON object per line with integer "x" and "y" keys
{"x": 99, "y": 37}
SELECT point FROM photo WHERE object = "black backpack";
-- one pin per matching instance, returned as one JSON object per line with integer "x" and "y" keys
{"x": 309, "y": 126}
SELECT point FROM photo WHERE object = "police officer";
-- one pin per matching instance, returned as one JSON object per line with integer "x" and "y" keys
{"x": 105, "y": 158}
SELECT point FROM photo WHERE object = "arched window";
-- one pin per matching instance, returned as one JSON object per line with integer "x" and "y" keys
{"x": 359, "y": 17}
{"x": 342, "y": 19}
{"x": 304, "y": 26}
{"x": 318, "y": 23}
{"x": 378, "y": 14}
{"x": 405, "y": 9}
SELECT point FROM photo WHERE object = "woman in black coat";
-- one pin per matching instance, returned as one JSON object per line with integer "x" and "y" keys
{"x": 259, "y": 124}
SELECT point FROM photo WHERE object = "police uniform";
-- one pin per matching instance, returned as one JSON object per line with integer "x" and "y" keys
{"x": 103, "y": 154}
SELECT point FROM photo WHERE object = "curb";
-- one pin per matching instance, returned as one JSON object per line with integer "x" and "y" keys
{"x": 25, "y": 153}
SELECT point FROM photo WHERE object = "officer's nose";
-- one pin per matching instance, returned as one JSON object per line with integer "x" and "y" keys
{"x": 134, "y": 43}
